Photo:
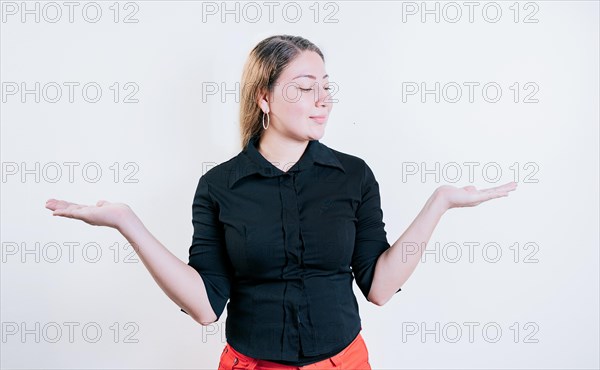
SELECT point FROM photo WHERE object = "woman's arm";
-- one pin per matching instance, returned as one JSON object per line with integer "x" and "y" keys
{"x": 182, "y": 283}
{"x": 396, "y": 264}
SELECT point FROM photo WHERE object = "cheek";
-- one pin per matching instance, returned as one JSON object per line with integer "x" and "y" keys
{"x": 301, "y": 109}
{"x": 294, "y": 107}
{"x": 296, "y": 111}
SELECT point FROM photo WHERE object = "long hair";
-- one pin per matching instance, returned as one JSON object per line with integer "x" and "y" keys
{"x": 262, "y": 69}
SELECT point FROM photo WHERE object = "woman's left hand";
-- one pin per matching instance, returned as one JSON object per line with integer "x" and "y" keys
{"x": 469, "y": 196}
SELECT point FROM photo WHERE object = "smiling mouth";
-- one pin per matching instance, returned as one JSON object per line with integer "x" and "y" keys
{"x": 318, "y": 119}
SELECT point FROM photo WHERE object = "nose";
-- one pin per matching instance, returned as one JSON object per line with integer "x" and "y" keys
{"x": 323, "y": 96}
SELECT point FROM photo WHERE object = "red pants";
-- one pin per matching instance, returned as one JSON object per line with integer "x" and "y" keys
{"x": 354, "y": 356}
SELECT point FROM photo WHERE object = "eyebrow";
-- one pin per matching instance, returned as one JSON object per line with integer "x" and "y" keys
{"x": 309, "y": 76}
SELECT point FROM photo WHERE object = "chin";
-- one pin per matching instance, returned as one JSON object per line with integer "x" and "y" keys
{"x": 316, "y": 135}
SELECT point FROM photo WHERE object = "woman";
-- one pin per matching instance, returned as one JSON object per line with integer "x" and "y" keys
{"x": 282, "y": 229}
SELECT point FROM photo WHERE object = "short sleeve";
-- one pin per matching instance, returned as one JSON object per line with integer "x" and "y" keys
{"x": 371, "y": 240}
{"x": 208, "y": 254}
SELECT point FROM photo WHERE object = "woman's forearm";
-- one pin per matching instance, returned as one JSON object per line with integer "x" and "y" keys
{"x": 396, "y": 264}
{"x": 182, "y": 283}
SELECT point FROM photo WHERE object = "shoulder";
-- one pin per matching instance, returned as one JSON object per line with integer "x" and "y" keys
{"x": 347, "y": 158}
{"x": 218, "y": 174}
{"x": 355, "y": 168}
{"x": 352, "y": 163}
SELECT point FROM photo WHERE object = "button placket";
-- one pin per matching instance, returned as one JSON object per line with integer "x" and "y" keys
{"x": 292, "y": 270}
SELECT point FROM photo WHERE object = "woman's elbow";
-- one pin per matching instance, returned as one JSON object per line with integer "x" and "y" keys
{"x": 204, "y": 319}
{"x": 374, "y": 299}
{"x": 205, "y": 322}
{"x": 378, "y": 301}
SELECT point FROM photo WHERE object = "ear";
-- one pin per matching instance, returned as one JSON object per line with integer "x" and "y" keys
{"x": 263, "y": 101}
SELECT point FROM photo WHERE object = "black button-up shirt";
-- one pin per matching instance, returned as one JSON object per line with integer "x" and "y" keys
{"x": 284, "y": 248}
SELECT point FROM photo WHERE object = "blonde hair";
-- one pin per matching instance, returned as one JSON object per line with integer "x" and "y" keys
{"x": 262, "y": 69}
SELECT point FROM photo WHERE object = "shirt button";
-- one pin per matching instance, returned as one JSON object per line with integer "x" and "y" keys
{"x": 235, "y": 361}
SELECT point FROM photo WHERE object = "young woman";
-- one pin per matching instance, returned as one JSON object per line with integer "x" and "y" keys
{"x": 282, "y": 229}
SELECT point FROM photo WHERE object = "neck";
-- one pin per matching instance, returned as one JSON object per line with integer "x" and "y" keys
{"x": 282, "y": 152}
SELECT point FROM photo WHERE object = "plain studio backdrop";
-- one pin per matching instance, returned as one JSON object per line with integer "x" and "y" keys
{"x": 133, "y": 101}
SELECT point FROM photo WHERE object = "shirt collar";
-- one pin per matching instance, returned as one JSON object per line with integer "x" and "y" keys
{"x": 250, "y": 161}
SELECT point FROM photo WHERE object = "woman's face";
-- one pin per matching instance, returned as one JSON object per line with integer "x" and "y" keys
{"x": 300, "y": 104}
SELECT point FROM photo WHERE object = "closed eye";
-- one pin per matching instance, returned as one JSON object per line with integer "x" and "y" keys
{"x": 326, "y": 88}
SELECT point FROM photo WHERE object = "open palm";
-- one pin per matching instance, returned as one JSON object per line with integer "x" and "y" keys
{"x": 469, "y": 196}
{"x": 104, "y": 213}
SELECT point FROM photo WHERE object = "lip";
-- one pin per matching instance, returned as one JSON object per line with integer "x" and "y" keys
{"x": 318, "y": 119}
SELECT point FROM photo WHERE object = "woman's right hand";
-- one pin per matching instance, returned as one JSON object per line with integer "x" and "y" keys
{"x": 104, "y": 213}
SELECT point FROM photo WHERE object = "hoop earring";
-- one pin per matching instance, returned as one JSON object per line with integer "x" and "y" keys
{"x": 268, "y": 120}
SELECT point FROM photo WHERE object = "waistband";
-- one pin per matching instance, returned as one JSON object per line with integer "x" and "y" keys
{"x": 230, "y": 355}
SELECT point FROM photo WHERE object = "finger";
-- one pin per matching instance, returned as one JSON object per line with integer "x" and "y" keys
{"x": 69, "y": 208}
{"x": 512, "y": 186}
{"x": 509, "y": 186}
{"x": 62, "y": 204}
{"x": 61, "y": 212}
{"x": 497, "y": 194}
{"x": 499, "y": 189}
{"x": 55, "y": 203}
{"x": 50, "y": 204}
{"x": 70, "y": 213}
{"x": 485, "y": 195}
